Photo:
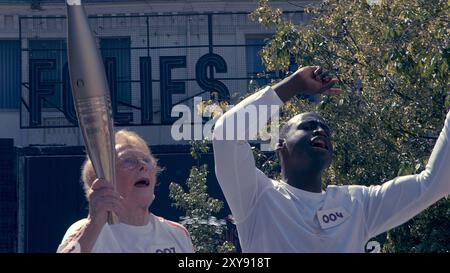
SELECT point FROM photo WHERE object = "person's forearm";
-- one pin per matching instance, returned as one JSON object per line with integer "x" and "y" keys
{"x": 287, "y": 88}
{"x": 88, "y": 236}
{"x": 81, "y": 238}
{"x": 234, "y": 125}
{"x": 436, "y": 175}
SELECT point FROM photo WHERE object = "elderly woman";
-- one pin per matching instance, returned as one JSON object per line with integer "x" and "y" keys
{"x": 138, "y": 230}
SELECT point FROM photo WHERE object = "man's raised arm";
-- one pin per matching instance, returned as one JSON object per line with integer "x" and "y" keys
{"x": 235, "y": 167}
{"x": 234, "y": 162}
{"x": 396, "y": 201}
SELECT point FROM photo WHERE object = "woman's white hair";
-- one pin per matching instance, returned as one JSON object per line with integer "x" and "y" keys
{"x": 122, "y": 137}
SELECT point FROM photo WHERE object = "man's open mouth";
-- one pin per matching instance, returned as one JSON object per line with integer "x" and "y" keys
{"x": 141, "y": 183}
{"x": 319, "y": 142}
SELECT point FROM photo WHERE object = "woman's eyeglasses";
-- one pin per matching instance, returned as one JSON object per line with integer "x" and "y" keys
{"x": 131, "y": 162}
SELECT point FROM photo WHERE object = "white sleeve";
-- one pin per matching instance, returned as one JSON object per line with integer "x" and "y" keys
{"x": 396, "y": 201}
{"x": 234, "y": 163}
{"x": 69, "y": 243}
{"x": 190, "y": 246}
{"x": 69, "y": 247}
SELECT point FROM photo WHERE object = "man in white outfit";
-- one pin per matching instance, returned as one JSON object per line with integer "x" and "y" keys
{"x": 295, "y": 214}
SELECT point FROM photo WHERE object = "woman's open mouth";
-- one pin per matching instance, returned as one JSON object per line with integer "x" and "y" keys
{"x": 142, "y": 183}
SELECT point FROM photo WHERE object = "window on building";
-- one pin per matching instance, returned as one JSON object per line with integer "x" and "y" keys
{"x": 256, "y": 72}
{"x": 9, "y": 74}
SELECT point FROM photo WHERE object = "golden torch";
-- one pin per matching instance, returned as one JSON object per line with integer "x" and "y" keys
{"x": 91, "y": 95}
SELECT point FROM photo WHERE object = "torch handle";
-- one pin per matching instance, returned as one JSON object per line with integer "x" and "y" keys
{"x": 112, "y": 218}
{"x": 94, "y": 116}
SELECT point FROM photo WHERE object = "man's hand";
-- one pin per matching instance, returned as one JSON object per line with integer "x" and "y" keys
{"x": 309, "y": 80}
{"x": 314, "y": 80}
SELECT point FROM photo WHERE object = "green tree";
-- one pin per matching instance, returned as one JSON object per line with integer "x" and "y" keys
{"x": 392, "y": 59}
{"x": 207, "y": 232}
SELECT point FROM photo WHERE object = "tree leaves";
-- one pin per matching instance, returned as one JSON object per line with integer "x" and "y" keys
{"x": 207, "y": 232}
{"x": 392, "y": 59}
